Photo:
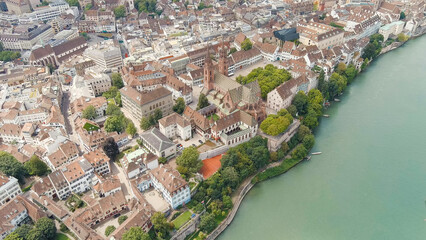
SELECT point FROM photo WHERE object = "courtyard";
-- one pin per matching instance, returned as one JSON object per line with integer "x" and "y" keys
{"x": 156, "y": 200}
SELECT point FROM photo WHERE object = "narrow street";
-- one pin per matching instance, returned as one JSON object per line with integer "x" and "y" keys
{"x": 64, "y": 109}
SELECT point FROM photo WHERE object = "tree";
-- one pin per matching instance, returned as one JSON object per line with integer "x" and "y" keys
{"x": 311, "y": 120}
{"x": 340, "y": 81}
{"x": 121, "y": 219}
{"x": 202, "y": 102}
{"x": 292, "y": 110}
{"x": 268, "y": 78}
{"x": 208, "y": 223}
{"x": 115, "y": 123}
{"x": 135, "y": 233}
{"x": 63, "y": 227}
{"x": 351, "y": 73}
{"x": 299, "y": 152}
{"x": 23, "y": 230}
{"x": 189, "y": 160}
{"x": 302, "y": 132}
{"x": 323, "y": 85}
{"x": 89, "y": 113}
{"x": 145, "y": 124}
{"x": 341, "y": 68}
{"x": 145, "y": 5}
{"x": 131, "y": 129}
{"x": 85, "y": 35}
{"x": 45, "y": 227}
{"x": 161, "y": 225}
{"x": 285, "y": 147}
{"x": 364, "y": 64}
{"x": 246, "y": 45}
{"x": 14, "y": 236}
{"x": 88, "y": 6}
{"x": 276, "y": 124}
{"x": 402, "y": 16}
{"x": 232, "y": 50}
{"x": 112, "y": 110}
{"x": 116, "y": 79}
{"x": 315, "y": 96}
{"x": 12, "y": 167}
{"x": 109, "y": 230}
{"x": 35, "y": 166}
{"x": 162, "y": 160}
{"x": 377, "y": 37}
{"x": 119, "y": 12}
{"x": 110, "y": 148}
{"x": 308, "y": 141}
{"x": 157, "y": 115}
{"x": 402, "y": 37}
{"x": 111, "y": 93}
{"x": 73, "y": 3}
{"x": 179, "y": 107}
{"x": 230, "y": 177}
{"x": 301, "y": 102}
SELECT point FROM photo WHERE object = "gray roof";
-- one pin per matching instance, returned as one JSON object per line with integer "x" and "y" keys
{"x": 156, "y": 139}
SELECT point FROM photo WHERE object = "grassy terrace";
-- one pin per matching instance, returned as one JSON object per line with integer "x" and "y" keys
{"x": 61, "y": 236}
{"x": 214, "y": 116}
{"x": 182, "y": 219}
{"x": 89, "y": 127}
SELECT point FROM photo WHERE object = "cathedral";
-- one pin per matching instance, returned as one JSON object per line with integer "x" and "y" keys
{"x": 227, "y": 94}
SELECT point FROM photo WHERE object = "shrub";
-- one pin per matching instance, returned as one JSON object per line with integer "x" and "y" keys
{"x": 109, "y": 230}
{"x": 121, "y": 219}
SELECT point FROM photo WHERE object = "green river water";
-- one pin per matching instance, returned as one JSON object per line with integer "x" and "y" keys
{"x": 370, "y": 181}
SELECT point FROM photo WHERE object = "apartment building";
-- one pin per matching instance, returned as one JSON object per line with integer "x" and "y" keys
{"x": 49, "y": 12}
{"x": 158, "y": 144}
{"x": 99, "y": 103}
{"x": 282, "y": 96}
{"x": 175, "y": 125}
{"x": 106, "y": 55}
{"x": 12, "y": 215}
{"x": 321, "y": 35}
{"x": 99, "y": 161}
{"x": 144, "y": 104}
{"x": 175, "y": 190}
{"x": 10, "y": 133}
{"x": 25, "y": 36}
{"x": 9, "y": 188}
{"x": 65, "y": 154}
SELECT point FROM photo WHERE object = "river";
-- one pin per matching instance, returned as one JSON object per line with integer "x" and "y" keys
{"x": 370, "y": 181}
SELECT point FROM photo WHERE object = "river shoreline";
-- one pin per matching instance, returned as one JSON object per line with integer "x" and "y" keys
{"x": 245, "y": 188}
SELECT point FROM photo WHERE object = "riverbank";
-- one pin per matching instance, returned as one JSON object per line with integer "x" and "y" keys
{"x": 277, "y": 170}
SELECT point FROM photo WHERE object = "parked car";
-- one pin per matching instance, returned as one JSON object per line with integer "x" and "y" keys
{"x": 200, "y": 141}
{"x": 194, "y": 145}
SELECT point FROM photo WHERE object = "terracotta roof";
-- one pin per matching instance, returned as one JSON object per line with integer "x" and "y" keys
{"x": 169, "y": 178}
{"x": 172, "y": 119}
{"x": 144, "y": 98}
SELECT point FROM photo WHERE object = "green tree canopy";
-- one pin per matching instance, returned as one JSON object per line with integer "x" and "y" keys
{"x": 12, "y": 167}
{"x": 302, "y": 132}
{"x": 116, "y": 123}
{"x": 161, "y": 225}
{"x": 35, "y": 166}
{"x": 73, "y": 3}
{"x": 202, "y": 102}
{"x": 14, "y": 236}
{"x": 131, "y": 129}
{"x": 121, "y": 219}
{"x": 109, "y": 230}
{"x": 135, "y": 233}
{"x": 308, "y": 141}
{"x": 89, "y": 113}
{"x": 112, "y": 110}
{"x": 179, "y": 107}
{"x": 145, "y": 124}
{"x": 246, "y": 44}
{"x": 119, "y": 12}
{"x": 276, "y": 124}
{"x": 351, "y": 73}
{"x": 111, "y": 93}
{"x": 116, "y": 79}
{"x": 23, "y": 230}
{"x": 208, "y": 223}
{"x": 188, "y": 162}
{"x": 110, "y": 148}
{"x": 7, "y": 56}
{"x": 300, "y": 101}
{"x": 145, "y": 5}
{"x": 268, "y": 78}
{"x": 299, "y": 152}
{"x": 230, "y": 176}
{"x": 43, "y": 229}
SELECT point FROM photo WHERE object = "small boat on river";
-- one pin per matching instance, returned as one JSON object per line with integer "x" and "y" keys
{"x": 316, "y": 153}
{"x": 337, "y": 100}
{"x": 326, "y": 115}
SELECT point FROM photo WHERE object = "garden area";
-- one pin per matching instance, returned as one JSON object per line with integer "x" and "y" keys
{"x": 61, "y": 236}
{"x": 90, "y": 127}
{"x": 214, "y": 116}
{"x": 181, "y": 219}
{"x": 73, "y": 202}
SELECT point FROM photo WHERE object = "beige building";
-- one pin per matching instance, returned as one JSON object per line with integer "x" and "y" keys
{"x": 97, "y": 83}
{"x": 321, "y": 35}
{"x": 144, "y": 104}
{"x": 18, "y": 7}
{"x": 106, "y": 55}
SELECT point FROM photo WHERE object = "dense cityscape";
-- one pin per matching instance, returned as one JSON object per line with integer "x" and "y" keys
{"x": 123, "y": 119}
